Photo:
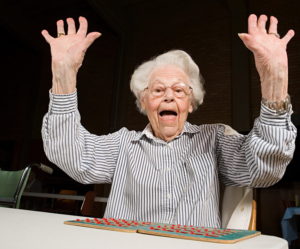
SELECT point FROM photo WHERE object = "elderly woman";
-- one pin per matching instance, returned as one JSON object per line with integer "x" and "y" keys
{"x": 170, "y": 171}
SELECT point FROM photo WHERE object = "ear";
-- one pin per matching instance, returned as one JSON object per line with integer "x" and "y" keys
{"x": 142, "y": 102}
{"x": 190, "y": 108}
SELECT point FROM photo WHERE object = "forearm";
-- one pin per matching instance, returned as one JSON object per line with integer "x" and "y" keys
{"x": 270, "y": 147}
{"x": 63, "y": 78}
{"x": 260, "y": 158}
{"x": 274, "y": 83}
{"x": 71, "y": 147}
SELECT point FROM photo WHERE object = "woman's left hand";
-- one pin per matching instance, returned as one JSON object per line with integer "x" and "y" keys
{"x": 270, "y": 55}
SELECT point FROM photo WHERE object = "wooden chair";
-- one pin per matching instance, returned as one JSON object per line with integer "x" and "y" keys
{"x": 238, "y": 208}
{"x": 88, "y": 203}
{"x": 66, "y": 206}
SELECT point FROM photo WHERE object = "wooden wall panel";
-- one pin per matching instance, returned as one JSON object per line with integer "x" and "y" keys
{"x": 201, "y": 29}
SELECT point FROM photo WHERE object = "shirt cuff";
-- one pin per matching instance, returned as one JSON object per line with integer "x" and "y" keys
{"x": 62, "y": 103}
{"x": 271, "y": 117}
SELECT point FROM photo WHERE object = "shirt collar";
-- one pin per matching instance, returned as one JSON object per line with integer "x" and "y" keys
{"x": 147, "y": 132}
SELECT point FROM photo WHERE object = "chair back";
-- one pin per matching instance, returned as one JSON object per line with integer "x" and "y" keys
{"x": 238, "y": 208}
{"x": 12, "y": 185}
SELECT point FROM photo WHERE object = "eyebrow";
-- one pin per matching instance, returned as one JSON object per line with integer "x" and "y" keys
{"x": 173, "y": 81}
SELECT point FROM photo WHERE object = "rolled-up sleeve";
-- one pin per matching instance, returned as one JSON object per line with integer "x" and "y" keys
{"x": 260, "y": 158}
{"x": 85, "y": 157}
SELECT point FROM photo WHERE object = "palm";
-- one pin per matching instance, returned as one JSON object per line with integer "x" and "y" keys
{"x": 268, "y": 49}
{"x": 69, "y": 49}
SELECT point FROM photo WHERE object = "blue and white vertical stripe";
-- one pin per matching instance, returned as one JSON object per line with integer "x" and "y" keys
{"x": 174, "y": 182}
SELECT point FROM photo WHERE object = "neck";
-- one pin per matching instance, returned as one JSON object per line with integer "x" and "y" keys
{"x": 168, "y": 135}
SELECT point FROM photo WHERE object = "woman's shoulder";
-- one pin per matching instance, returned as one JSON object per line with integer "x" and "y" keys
{"x": 210, "y": 128}
{"x": 125, "y": 133}
{"x": 194, "y": 128}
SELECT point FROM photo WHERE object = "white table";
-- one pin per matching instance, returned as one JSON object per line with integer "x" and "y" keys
{"x": 23, "y": 229}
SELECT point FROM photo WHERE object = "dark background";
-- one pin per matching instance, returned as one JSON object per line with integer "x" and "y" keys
{"x": 133, "y": 31}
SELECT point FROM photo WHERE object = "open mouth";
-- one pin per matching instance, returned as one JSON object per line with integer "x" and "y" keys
{"x": 168, "y": 113}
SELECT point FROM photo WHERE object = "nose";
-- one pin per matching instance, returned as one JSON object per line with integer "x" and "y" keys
{"x": 169, "y": 95}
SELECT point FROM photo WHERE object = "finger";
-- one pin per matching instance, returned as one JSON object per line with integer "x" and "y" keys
{"x": 83, "y": 26}
{"x": 273, "y": 25}
{"x": 289, "y": 35}
{"x": 60, "y": 27}
{"x": 71, "y": 26}
{"x": 46, "y": 35}
{"x": 90, "y": 38}
{"x": 252, "y": 23}
{"x": 261, "y": 23}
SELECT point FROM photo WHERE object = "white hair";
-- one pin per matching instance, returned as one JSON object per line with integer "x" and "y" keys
{"x": 140, "y": 78}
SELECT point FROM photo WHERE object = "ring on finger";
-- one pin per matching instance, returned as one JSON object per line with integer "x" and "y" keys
{"x": 276, "y": 34}
{"x": 60, "y": 34}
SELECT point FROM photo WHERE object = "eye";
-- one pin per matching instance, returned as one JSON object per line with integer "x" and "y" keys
{"x": 158, "y": 90}
{"x": 179, "y": 90}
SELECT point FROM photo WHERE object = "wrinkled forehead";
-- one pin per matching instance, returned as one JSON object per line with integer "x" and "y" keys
{"x": 169, "y": 74}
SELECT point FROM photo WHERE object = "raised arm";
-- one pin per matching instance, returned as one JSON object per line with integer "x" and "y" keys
{"x": 270, "y": 56}
{"x": 259, "y": 159}
{"x": 67, "y": 51}
{"x": 85, "y": 157}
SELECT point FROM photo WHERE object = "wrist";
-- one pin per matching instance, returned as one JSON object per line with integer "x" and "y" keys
{"x": 65, "y": 89}
{"x": 278, "y": 106}
{"x": 63, "y": 84}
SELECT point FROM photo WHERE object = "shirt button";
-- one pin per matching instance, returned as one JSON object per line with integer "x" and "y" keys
{"x": 168, "y": 169}
{"x": 169, "y": 196}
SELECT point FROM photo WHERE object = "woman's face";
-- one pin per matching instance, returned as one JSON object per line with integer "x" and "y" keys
{"x": 167, "y": 107}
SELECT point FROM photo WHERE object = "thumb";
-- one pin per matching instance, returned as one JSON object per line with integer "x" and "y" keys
{"x": 90, "y": 38}
{"x": 46, "y": 35}
{"x": 244, "y": 37}
{"x": 247, "y": 40}
{"x": 289, "y": 35}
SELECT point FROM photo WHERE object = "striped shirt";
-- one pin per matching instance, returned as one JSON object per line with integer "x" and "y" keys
{"x": 168, "y": 182}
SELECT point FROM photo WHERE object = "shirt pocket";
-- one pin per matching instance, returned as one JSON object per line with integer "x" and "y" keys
{"x": 202, "y": 173}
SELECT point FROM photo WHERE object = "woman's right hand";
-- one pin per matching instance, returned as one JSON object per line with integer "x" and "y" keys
{"x": 67, "y": 51}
